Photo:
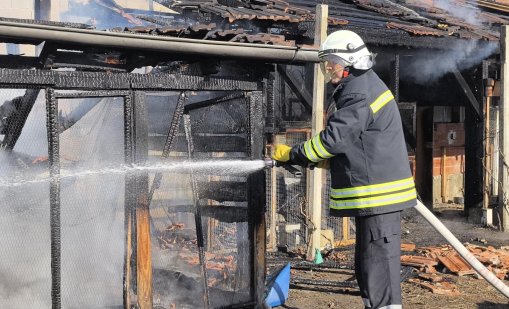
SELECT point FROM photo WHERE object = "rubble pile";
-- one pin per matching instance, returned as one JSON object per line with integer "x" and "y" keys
{"x": 220, "y": 267}
{"x": 431, "y": 263}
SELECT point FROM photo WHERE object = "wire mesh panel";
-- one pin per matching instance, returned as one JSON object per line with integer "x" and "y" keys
{"x": 92, "y": 201}
{"x": 25, "y": 277}
{"x": 109, "y": 200}
{"x": 217, "y": 127}
{"x": 290, "y": 197}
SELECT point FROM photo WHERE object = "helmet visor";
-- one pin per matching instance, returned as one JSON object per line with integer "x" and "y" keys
{"x": 328, "y": 66}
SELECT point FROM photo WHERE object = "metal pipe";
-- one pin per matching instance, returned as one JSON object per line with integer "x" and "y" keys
{"x": 269, "y": 163}
{"x": 170, "y": 45}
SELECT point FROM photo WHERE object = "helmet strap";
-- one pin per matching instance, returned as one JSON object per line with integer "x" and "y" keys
{"x": 346, "y": 72}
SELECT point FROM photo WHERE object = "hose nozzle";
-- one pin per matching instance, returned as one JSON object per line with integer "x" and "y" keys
{"x": 270, "y": 163}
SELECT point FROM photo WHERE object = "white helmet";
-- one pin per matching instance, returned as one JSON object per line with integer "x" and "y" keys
{"x": 350, "y": 49}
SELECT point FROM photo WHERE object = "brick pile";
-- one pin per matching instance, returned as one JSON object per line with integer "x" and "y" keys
{"x": 431, "y": 263}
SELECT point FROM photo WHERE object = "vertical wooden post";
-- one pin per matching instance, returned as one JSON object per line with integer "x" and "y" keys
{"x": 272, "y": 243}
{"x": 317, "y": 125}
{"x": 129, "y": 200}
{"x": 143, "y": 251}
{"x": 257, "y": 200}
{"x": 495, "y": 152}
{"x": 504, "y": 131}
{"x": 443, "y": 168}
{"x": 488, "y": 92}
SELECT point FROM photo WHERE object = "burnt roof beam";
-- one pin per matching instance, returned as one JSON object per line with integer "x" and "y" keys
{"x": 301, "y": 92}
{"x": 13, "y": 130}
{"x": 468, "y": 92}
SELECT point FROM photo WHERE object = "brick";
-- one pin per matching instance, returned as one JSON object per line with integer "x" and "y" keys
{"x": 407, "y": 247}
{"x": 417, "y": 261}
{"x": 431, "y": 277}
{"x": 429, "y": 269}
{"x": 456, "y": 264}
{"x": 441, "y": 288}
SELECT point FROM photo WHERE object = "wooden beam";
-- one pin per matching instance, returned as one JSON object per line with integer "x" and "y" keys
{"x": 129, "y": 202}
{"x": 317, "y": 125}
{"x": 143, "y": 253}
{"x": 468, "y": 92}
{"x": 256, "y": 201}
{"x": 504, "y": 131}
{"x": 23, "y": 105}
{"x": 488, "y": 170}
{"x": 300, "y": 91}
{"x": 443, "y": 175}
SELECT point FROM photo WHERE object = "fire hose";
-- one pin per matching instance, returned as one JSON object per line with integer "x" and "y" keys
{"x": 458, "y": 246}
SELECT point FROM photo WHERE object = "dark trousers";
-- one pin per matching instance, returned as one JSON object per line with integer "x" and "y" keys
{"x": 377, "y": 260}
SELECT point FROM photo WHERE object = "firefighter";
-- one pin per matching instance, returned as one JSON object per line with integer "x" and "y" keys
{"x": 366, "y": 152}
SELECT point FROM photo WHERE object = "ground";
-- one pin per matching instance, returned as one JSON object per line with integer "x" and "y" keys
{"x": 475, "y": 293}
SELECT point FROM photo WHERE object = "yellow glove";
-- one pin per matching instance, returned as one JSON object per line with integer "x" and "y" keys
{"x": 281, "y": 153}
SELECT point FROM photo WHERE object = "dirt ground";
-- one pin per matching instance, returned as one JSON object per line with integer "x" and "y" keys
{"x": 475, "y": 293}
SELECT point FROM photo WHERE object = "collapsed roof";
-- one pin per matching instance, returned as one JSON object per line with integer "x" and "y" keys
{"x": 287, "y": 25}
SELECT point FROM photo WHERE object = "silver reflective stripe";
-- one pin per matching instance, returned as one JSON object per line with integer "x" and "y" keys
{"x": 319, "y": 147}
{"x": 310, "y": 153}
{"x": 392, "y": 307}
{"x": 366, "y": 302}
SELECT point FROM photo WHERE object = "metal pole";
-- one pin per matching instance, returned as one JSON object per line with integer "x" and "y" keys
{"x": 54, "y": 164}
{"x": 197, "y": 214}
{"x": 504, "y": 131}
{"x": 168, "y": 45}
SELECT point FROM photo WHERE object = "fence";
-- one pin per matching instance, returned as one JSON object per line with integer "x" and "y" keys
{"x": 287, "y": 219}
{"x": 100, "y": 208}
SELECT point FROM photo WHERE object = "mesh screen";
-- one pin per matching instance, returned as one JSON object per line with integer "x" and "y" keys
{"x": 218, "y": 131}
{"x": 93, "y": 198}
{"x": 92, "y": 201}
{"x": 291, "y": 201}
{"x": 25, "y": 277}
{"x": 291, "y": 204}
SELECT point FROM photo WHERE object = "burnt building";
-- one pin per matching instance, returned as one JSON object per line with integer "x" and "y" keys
{"x": 105, "y": 102}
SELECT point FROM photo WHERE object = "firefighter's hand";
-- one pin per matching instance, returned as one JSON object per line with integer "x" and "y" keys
{"x": 281, "y": 153}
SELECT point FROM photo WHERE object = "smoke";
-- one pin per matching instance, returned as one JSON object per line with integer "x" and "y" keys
{"x": 92, "y": 195}
{"x": 92, "y": 231}
{"x": 468, "y": 14}
{"x": 426, "y": 67}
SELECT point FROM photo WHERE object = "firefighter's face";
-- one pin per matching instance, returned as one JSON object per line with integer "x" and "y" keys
{"x": 332, "y": 71}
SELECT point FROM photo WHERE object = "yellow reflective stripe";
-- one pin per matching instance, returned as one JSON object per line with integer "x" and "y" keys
{"x": 310, "y": 153}
{"x": 380, "y": 188}
{"x": 368, "y": 202}
{"x": 383, "y": 99}
{"x": 378, "y": 185}
{"x": 321, "y": 149}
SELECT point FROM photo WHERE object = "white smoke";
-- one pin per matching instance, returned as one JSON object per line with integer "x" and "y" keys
{"x": 427, "y": 67}
{"x": 466, "y": 13}
{"x": 92, "y": 233}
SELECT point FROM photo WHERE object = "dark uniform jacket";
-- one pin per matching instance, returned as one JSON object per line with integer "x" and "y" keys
{"x": 363, "y": 141}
